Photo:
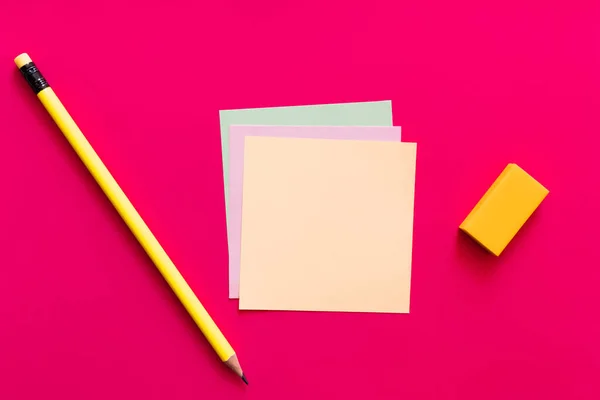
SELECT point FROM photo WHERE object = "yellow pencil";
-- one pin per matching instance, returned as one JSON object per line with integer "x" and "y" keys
{"x": 129, "y": 214}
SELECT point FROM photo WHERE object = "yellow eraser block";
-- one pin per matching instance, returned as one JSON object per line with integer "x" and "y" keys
{"x": 504, "y": 209}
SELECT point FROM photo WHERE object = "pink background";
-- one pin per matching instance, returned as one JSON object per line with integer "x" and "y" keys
{"x": 85, "y": 315}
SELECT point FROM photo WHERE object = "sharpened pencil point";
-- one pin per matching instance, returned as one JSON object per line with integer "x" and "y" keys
{"x": 244, "y": 379}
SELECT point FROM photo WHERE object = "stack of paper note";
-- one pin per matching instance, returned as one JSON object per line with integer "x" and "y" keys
{"x": 319, "y": 204}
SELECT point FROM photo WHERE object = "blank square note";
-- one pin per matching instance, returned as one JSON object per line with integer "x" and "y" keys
{"x": 237, "y": 137}
{"x": 327, "y": 225}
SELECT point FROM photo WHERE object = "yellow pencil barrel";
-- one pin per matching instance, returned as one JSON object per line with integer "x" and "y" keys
{"x": 124, "y": 207}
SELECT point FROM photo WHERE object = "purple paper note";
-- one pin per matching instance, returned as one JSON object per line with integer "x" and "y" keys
{"x": 237, "y": 135}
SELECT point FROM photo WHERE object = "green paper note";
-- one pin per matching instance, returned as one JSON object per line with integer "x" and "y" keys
{"x": 374, "y": 113}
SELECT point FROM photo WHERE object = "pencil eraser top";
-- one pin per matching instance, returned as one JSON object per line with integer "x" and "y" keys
{"x": 22, "y": 59}
{"x": 504, "y": 209}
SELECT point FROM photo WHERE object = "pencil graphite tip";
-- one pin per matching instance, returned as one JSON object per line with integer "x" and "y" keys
{"x": 244, "y": 379}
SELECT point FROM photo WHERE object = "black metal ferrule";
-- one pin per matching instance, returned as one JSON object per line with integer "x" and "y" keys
{"x": 34, "y": 77}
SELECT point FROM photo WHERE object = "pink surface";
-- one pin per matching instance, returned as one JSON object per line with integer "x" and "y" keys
{"x": 237, "y": 136}
{"x": 85, "y": 315}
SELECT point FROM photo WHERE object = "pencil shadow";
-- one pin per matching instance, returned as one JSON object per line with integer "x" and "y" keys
{"x": 156, "y": 281}
{"x": 200, "y": 345}
{"x": 39, "y": 114}
{"x": 56, "y": 138}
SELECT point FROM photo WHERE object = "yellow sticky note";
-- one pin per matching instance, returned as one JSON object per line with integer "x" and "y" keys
{"x": 327, "y": 225}
{"x": 504, "y": 209}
